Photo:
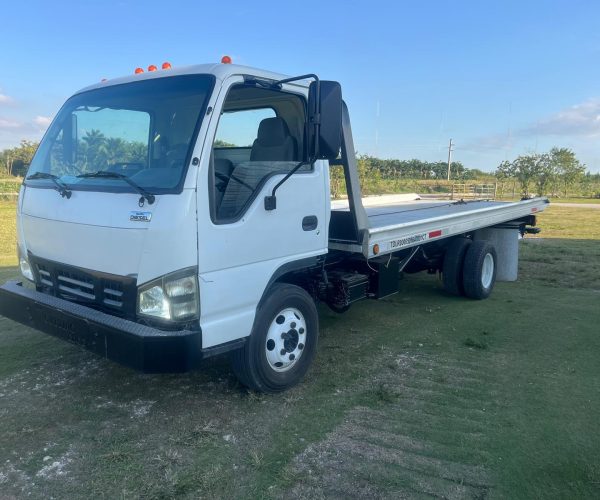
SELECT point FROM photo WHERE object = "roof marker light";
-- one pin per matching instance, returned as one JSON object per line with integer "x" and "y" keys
{"x": 138, "y": 71}
{"x": 152, "y": 68}
{"x": 166, "y": 65}
{"x": 226, "y": 60}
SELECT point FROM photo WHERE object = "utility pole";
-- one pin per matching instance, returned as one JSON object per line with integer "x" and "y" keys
{"x": 449, "y": 157}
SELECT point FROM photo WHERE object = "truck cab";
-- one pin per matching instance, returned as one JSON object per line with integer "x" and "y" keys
{"x": 145, "y": 202}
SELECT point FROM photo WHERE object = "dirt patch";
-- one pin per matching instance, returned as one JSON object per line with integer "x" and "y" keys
{"x": 379, "y": 450}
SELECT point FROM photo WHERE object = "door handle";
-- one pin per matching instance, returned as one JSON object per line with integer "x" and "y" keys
{"x": 310, "y": 223}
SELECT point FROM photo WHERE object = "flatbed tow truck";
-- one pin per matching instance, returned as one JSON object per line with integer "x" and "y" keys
{"x": 182, "y": 213}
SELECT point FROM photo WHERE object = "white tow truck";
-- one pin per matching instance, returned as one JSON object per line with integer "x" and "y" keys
{"x": 181, "y": 213}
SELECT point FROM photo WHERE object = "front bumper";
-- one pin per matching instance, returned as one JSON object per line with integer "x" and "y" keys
{"x": 138, "y": 346}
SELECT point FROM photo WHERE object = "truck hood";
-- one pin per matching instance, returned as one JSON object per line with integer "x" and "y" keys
{"x": 109, "y": 232}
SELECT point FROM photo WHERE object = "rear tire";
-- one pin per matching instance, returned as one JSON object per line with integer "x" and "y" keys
{"x": 479, "y": 272}
{"x": 452, "y": 270}
{"x": 283, "y": 341}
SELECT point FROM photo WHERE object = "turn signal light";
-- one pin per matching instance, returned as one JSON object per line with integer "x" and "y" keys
{"x": 138, "y": 71}
{"x": 226, "y": 60}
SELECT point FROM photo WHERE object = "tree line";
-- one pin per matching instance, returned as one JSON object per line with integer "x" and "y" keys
{"x": 14, "y": 161}
{"x": 93, "y": 151}
{"x": 418, "y": 169}
{"x": 555, "y": 172}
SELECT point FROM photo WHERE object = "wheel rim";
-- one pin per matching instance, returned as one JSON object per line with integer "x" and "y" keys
{"x": 286, "y": 339}
{"x": 487, "y": 271}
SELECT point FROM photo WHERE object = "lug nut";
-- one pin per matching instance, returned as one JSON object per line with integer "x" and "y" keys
{"x": 292, "y": 356}
{"x": 300, "y": 346}
{"x": 301, "y": 330}
{"x": 293, "y": 324}
{"x": 282, "y": 352}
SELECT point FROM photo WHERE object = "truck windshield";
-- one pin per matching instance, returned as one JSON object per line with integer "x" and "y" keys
{"x": 143, "y": 130}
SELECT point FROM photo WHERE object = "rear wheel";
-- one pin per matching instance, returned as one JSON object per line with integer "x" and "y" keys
{"x": 452, "y": 270}
{"x": 479, "y": 272}
{"x": 283, "y": 341}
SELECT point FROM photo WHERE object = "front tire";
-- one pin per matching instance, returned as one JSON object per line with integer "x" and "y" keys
{"x": 479, "y": 271}
{"x": 283, "y": 341}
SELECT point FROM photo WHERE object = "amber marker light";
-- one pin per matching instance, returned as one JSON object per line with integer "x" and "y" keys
{"x": 226, "y": 60}
{"x": 376, "y": 248}
{"x": 138, "y": 71}
{"x": 152, "y": 68}
{"x": 166, "y": 65}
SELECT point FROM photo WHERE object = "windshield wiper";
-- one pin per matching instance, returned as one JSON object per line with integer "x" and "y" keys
{"x": 101, "y": 174}
{"x": 60, "y": 187}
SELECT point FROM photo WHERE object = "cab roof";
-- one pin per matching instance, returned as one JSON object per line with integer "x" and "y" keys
{"x": 219, "y": 70}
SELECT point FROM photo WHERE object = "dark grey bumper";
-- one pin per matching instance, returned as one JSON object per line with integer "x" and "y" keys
{"x": 138, "y": 346}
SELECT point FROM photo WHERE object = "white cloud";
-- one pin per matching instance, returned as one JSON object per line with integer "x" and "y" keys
{"x": 7, "y": 124}
{"x": 579, "y": 120}
{"x": 5, "y": 99}
{"x": 42, "y": 121}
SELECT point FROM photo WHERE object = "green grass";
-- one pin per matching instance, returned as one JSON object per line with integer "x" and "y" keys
{"x": 575, "y": 200}
{"x": 420, "y": 394}
{"x": 10, "y": 185}
{"x": 8, "y": 227}
{"x": 570, "y": 222}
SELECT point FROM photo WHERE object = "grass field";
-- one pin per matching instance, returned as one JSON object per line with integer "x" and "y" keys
{"x": 418, "y": 395}
{"x": 576, "y": 200}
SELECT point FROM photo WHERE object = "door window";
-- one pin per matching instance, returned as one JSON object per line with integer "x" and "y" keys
{"x": 238, "y": 129}
{"x": 260, "y": 134}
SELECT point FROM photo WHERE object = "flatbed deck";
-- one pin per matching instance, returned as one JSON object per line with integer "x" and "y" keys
{"x": 397, "y": 226}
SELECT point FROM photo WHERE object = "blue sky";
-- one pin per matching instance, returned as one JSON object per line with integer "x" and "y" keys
{"x": 499, "y": 78}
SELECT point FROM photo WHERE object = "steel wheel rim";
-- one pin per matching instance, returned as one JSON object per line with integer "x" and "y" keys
{"x": 286, "y": 339}
{"x": 487, "y": 270}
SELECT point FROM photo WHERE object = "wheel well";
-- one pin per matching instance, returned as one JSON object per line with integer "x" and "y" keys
{"x": 302, "y": 273}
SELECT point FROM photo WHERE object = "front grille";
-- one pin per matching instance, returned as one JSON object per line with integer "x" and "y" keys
{"x": 106, "y": 292}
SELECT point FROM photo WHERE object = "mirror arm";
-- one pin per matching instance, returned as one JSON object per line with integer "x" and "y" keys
{"x": 296, "y": 78}
{"x": 271, "y": 201}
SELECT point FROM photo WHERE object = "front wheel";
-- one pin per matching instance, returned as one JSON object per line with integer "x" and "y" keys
{"x": 283, "y": 341}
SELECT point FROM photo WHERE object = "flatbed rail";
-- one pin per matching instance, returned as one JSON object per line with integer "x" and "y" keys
{"x": 400, "y": 226}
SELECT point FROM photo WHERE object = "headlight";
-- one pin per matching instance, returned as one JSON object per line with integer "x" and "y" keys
{"x": 173, "y": 297}
{"x": 153, "y": 302}
{"x": 24, "y": 265}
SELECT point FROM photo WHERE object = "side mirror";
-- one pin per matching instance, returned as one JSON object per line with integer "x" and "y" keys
{"x": 325, "y": 120}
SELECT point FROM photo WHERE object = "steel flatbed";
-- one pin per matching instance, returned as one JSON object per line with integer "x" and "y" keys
{"x": 404, "y": 225}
